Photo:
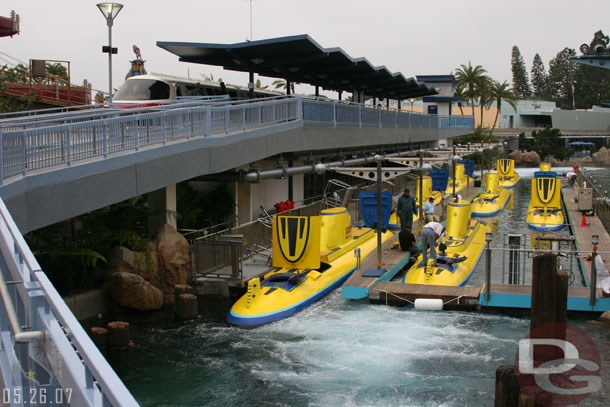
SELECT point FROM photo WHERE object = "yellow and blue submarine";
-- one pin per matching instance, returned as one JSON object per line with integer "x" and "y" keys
{"x": 491, "y": 201}
{"x": 544, "y": 211}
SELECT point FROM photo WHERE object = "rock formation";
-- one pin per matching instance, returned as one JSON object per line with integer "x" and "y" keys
{"x": 146, "y": 280}
{"x": 602, "y": 157}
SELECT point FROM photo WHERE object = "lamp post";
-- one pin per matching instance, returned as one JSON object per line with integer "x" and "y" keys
{"x": 488, "y": 237}
{"x": 456, "y": 159}
{"x": 110, "y": 11}
{"x": 593, "y": 291}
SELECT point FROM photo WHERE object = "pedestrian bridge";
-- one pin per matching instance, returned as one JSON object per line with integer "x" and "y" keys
{"x": 56, "y": 166}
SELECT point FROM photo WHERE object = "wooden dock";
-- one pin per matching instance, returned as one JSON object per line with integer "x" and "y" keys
{"x": 401, "y": 294}
{"x": 393, "y": 259}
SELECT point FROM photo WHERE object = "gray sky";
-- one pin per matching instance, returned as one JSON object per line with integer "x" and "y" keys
{"x": 413, "y": 37}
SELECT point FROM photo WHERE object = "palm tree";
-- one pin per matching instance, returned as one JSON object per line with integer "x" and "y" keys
{"x": 468, "y": 77}
{"x": 281, "y": 84}
{"x": 459, "y": 93}
{"x": 57, "y": 73}
{"x": 482, "y": 91}
{"x": 500, "y": 91}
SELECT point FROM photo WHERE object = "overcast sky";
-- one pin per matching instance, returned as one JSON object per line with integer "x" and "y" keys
{"x": 413, "y": 37}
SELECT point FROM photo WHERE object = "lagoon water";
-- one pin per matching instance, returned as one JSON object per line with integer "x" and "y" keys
{"x": 335, "y": 353}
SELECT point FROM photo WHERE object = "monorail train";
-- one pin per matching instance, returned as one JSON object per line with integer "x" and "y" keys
{"x": 156, "y": 89}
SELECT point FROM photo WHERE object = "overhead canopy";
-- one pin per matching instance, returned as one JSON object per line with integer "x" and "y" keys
{"x": 300, "y": 59}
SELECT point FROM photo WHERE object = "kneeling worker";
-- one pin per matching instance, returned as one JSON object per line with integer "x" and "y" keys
{"x": 407, "y": 242}
{"x": 430, "y": 232}
{"x": 429, "y": 211}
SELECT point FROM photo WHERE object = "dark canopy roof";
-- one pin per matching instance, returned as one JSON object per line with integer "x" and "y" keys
{"x": 300, "y": 59}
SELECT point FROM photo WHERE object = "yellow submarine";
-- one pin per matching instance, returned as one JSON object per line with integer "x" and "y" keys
{"x": 544, "y": 211}
{"x": 508, "y": 177}
{"x": 428, "y": 192}
{"x": 464, "y": 240}
{"x": 312, "y": 255}
{"x": 493, "y": 199}
{"x": 460, "y": 179}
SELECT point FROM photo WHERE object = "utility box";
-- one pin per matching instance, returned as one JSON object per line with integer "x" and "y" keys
{"x": 585, "y": 199}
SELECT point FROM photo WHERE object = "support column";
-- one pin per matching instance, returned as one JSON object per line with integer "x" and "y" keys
{"x": 162, "y": 203}
{"x": 340, "y": 94}
{"x": 251, "y": 85}
{"x": 317, "y": 90}
{"x": 398, "y": 104}
{"x": 288, "y": 86}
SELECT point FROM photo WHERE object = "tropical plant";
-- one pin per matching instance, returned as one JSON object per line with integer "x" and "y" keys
{"x": 483, "y": 93}
{"x": 56, "y": 73}
{"x": 258, "y": 85}
{"x": 459, "y": 93}
{"x": 501, "y": 91}
{"x": 468, "y": 77}
{"x": 520, "y": 80}
{"x": 281, "y": 84}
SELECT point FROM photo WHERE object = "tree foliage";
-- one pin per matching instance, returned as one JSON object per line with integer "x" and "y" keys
{"x": 546, "y": 142}
{"x": 498, "y": 92}
{"x": 469, "y": 77}
{"x": 538, "y": 75}
{"x": 559, "y": 83}
{"x": 592, "y": 84}
{"x": 520, "y": 79}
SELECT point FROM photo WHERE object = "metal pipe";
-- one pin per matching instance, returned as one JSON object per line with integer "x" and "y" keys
{"x": 379, "y": 231}
{"x": 593, "y": 288}
{"x": 487, "y": 274}
{"x": 11, "y": 316}
{"x": 255, "y": 176}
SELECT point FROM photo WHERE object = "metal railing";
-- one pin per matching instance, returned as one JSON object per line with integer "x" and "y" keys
{"x": 36, "y": 142}
{"x": 45, "y": 355}
{"x": 601, "y": 201}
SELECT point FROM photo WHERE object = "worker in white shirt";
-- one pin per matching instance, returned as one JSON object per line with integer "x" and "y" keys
{"x": 430, "y": 232}
{"x": 429, "y": 211}
{"x": 603, "y": 277}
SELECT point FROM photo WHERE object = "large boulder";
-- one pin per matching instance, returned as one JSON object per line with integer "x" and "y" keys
{"x": 602, "y": 157}
{"x": 173, "y": 260}
{"x": 133, "y": 291}
{"x": 531, "y": 157}
{"x": 516, "y": 155}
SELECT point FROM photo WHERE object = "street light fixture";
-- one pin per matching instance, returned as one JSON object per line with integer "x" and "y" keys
{"x": 110, "y": 11}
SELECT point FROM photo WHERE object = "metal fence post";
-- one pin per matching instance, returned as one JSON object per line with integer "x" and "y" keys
{"x": 396, "y": 118}
{"x": 24, "y": 156}
{"x": 487, "y": 273}
{"x": 334, "y": 114}
{"x": 163, "y": 136}
{"x": 138, "y": 124}
{"x": 593, "y": 287}
{"x": 360, "y": 115}
{"x": 1, "y": 157}
{"x": 243, "y": 118}
{"x": 260, "y": 114}
{"x": 106, "y": 124}
{"x": 208, "y": 121}
{"x": 299, "y": 109}
{"x": 67, "y": 137}
{"x": 273, "y": 110}
{"x": 227, "y": 114}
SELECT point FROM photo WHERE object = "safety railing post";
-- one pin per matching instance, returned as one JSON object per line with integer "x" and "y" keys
{"x": 163, "y": 129}
{"x": 299, "y": 109}
{"x": 487, "y": 273}
{"x": 396, "y": 119}
{"x": 360, "y": 115}
{"x": 243, "y": 118}
{"x": 208, "y": 121}
{"x": 227, "y": 114}
{"x": 593, "y": 282}
{"x": 260, "y": 114}
{"x": 68, "y": 149}
{"x": 1, "y": 157}
{"x": 380, "y": 122}
{"x": 106, "y": 124}
{"x": 273, "y": 112}
{"x": 334, "y": 114}
{"x": 24, "y": 157}
{"x": 138, "y": 125}
{"x": 192, "y": 120}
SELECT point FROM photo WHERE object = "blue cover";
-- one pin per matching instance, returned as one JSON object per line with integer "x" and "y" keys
{"x": 468, "y": 167}
{"x": 545, "y": 174}
{"x": 440, "y": 179}
{"x": 368, "y": 208}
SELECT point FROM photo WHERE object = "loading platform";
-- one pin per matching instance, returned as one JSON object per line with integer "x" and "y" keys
{"x": 501, "y": 296}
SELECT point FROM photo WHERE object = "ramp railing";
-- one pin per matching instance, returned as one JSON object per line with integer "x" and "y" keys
{"x": 46, "y": 357}
{"x": 32, "y": 143}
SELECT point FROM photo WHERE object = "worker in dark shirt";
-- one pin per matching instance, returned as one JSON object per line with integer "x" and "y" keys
{"x": 407, "y": 241}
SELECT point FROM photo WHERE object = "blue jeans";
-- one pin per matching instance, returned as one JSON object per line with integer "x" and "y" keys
{"x": 428, "y": 240}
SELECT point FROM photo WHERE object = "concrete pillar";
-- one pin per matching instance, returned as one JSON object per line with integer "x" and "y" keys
{"x": 244, "y": 200}
{"x": 162, "y": 203}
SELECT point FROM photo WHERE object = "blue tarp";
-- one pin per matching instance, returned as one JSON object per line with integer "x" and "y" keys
{"x": 468, "y": 167}
{"x": 440, "y": 179}
{"x": 368, "y": 208}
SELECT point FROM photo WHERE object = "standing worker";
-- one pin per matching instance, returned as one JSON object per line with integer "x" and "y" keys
{"x": 429, "y": 211}
{"x": 430, "y": 232}
{"x": 405, "y": 209}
